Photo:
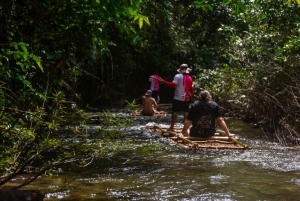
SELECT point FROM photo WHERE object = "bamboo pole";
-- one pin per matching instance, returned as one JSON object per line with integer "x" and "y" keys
{"x": 224, "y": 138}
{"x": 216, "y": 147}
{"x": 189, "y": 139}
{"x": 233, "y": 139}
{"x": 161, "y": 80}
{"x": 174, "y": 134}
{"x": 238, "y": 142}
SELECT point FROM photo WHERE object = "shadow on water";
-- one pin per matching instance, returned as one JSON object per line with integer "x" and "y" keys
{"x": 265, "y": 172}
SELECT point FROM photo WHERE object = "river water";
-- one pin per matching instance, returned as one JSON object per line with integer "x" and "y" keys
{"x": 268, "y": 171}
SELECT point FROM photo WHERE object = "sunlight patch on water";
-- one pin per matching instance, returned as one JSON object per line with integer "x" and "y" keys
{"x": 296, "y": 181}
{"x": 280, "y": 160}
{"x": 218, "y": 179}
{"x": 58, "y": 195}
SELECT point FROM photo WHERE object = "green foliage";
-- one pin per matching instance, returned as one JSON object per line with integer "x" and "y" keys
{"x": 45, "y": 47}
{"x": 53, "y": 55}
{"x": 51, "y": 144}
{"x": 131, "y": 105}
{"x": 229, "y": 87}
{"x": 267, "y": 46}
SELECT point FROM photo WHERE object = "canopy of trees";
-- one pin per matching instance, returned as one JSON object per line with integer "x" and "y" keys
{"x": 101, "y": 53}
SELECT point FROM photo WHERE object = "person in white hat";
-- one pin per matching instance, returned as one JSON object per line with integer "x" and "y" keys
{"x": 183, "y": 84}
{"x": 149, "y": 104}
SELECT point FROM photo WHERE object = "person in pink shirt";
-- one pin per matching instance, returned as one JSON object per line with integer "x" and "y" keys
{"x": 183, "y": 84}
{"x": 154, "y": 86}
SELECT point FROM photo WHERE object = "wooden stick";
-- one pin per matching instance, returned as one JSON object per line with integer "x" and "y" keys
{"x": 187, "y": 140}
{"x": 225, "y": 138}
{"x": 199, "y": 147}
{"x": 233, "y": 139}
{"x": 213, "y": 141}
{"x": 157, "y": 127}
{"x": 181, "y": 138}
{"x": 221, "y": 141}
{"x": 167, "y": 77}
{"x": 238, "y": 142}
{"x": 157, "y": 78}
{"x": 174, "y": 134}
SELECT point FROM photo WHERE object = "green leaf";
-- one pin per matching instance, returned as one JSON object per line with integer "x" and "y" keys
{"x": 21, "y": 65}
{"x": 24, "y": 55}
{"x": 23, "y": 46}
{"x": 141, "y": 22}
{"x": 136, "y": 17}
{"x": 38, "y": 62}
{"x": 242, "y": 6}
{"x": 226, "y": 2}
{"x": 146, "y": 19}
{"x": 209, "y": 7}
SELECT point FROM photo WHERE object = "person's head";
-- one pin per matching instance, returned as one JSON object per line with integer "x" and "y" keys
{"x": 148, "y": 93}
{"x": 184, "y": 69}
{"x": 205, "y": 96}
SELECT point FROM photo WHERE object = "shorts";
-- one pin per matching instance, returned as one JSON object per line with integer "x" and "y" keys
{"x": 180, "y": 106}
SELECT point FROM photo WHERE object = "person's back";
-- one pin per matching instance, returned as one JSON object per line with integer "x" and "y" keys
{"x": 149, "y": 104}
{"x": 203, "y": 117}
{"x": 184, "y": 87}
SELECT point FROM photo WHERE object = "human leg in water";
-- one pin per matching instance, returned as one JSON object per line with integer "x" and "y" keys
{"x": 173, "y": 120}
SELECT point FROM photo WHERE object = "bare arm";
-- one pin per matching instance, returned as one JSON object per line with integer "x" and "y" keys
{"x": 224, "y": 127}
{"x": 154, "y": 104}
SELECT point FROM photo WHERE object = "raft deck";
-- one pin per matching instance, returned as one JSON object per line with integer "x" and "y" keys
{"x": 217, "y": 142}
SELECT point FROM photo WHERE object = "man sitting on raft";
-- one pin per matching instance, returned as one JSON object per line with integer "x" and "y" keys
{"x": 149, "y": 104}
{"x": 202, "y": 116}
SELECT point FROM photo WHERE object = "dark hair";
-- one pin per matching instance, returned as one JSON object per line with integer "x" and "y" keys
{"x": 205, "y": 96}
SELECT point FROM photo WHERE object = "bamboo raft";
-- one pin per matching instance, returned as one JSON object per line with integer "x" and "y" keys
{"x": 217, "y": 142}
{"x": 138, "y": 114}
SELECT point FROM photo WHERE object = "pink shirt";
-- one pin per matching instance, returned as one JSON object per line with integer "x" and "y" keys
{"x": 184, "y": 87}
{"x": 154, "y": 82}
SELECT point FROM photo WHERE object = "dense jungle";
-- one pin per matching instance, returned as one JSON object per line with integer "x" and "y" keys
{"x": 97, "y": 54}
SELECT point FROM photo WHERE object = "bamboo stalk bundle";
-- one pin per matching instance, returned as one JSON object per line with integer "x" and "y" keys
{"x": 216, "y": 142}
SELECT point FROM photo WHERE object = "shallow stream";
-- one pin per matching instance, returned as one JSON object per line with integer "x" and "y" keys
{"x": 268, "y": 171}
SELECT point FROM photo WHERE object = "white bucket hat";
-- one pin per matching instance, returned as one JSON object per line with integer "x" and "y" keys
{"x": 184, "y": 69}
